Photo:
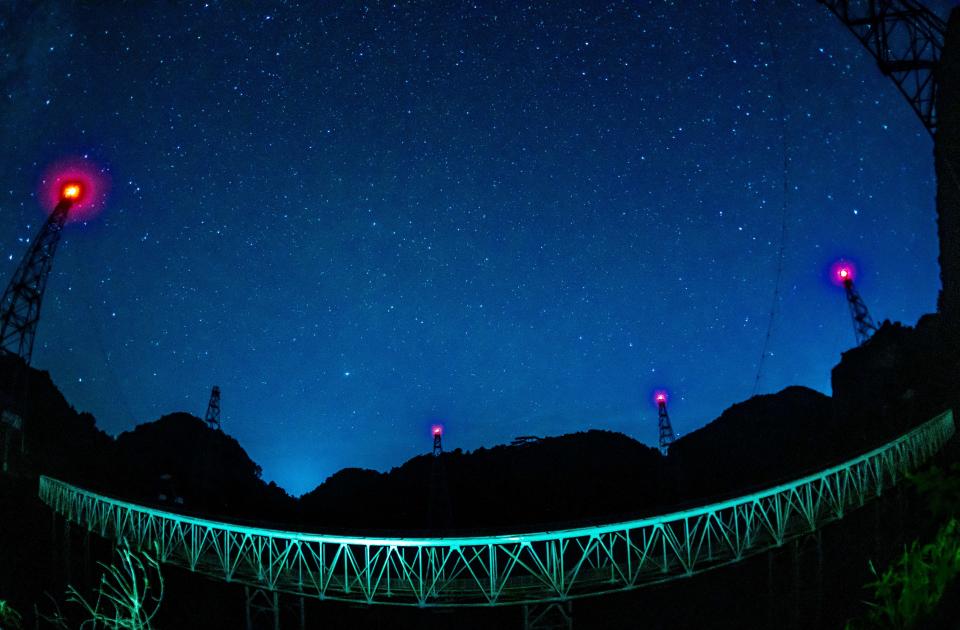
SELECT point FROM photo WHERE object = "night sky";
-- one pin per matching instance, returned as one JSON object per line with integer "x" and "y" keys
{"x": 361, "y": 219}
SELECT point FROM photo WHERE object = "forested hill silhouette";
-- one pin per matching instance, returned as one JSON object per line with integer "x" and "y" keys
{"x": 59, "y": 440}
{"x": 900, "y": 377}
{"x": 557, "y": 479}
{"x": 757, "y": 442}
{"x": 180, "y": 461}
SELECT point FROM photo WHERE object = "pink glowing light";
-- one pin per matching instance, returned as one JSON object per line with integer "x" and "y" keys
{"x": 437, "y": 429}
{"x": 72, "y": 191}
{"x": 660, "y": 397}
{"x": 842, "y": 272}
{"x": 78, "y": 180}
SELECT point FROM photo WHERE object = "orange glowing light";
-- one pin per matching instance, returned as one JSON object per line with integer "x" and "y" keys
{"x": 71, "y": 191}
{"x": 77, "y": 184}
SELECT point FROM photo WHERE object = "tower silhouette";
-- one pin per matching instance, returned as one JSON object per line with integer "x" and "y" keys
{"x": 663, "y": 423}
{"x": 213, "y": 409}
{"x": 440, "y": 513}
{"x": 863, "y": 326}
{"x": 19, "y": 317}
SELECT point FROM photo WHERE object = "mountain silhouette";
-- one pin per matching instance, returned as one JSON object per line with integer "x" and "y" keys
{"x": 900, "y": 377}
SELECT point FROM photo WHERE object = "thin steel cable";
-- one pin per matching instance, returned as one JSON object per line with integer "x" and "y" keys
{"x": 774, "y": 307}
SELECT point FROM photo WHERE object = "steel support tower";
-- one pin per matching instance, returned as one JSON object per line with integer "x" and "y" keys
{"x": 213, "y": 409}
{"x": 19, "y": 316}
{"x": 440, "y": 514}
{"x": 906, "y": 40}
{"x": 437, "y": 441}
{"x": 20, "y": 305}
{"x": 863, "y": 326}
{"x": 663, "y": 424}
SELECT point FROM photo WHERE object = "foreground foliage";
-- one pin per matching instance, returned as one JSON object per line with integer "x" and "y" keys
{"x": 908, "y": 593}
{"x": 127, "y": 598}
{"x": 910, "y": 590}
{"x": 9, "y": 618}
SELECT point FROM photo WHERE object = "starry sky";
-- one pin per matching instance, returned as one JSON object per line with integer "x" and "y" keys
{"x": 359, "y": 219}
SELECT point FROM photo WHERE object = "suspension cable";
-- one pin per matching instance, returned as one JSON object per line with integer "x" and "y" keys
{"x": 775, "y": 302}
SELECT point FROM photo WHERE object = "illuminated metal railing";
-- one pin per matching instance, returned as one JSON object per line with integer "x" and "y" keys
{"x": 505, "y": 569}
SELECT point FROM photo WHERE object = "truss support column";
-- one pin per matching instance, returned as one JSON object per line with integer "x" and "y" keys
{"x": 548, "y": 616}
{"x": 276, "y": 611}
{"x": 270, "y": 604}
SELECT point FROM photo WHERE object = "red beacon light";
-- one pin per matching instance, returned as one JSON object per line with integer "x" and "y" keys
{"x": 842, "y": 273}
{"x": 438, "y": 430}
{"x": 660, "y": 398}
{"x": 75, "y": 185}
{"x": 71, "y": 191}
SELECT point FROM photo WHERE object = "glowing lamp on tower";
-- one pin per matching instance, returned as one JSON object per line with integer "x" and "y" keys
{"x": 76, "y": 185}
{"x": 437, "y": 431}
{"x": 842, "y": 272}
{"x": 71, "y": 191}
{"x": 664, "y": 428}
{"x": 845, "y": 275}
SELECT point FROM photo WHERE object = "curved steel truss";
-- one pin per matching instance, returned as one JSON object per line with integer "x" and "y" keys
{"x": 906, "y": 39}
{"x": 505, "y": 569}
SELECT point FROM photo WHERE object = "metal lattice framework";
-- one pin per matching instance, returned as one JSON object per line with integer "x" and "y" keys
{"x": 664, "y": 427}
{"x": 19, "y": 316}
{"x": 508, "y": 569}
{"x": 863, "y": 326}
{"x": 212, "y": 416}
{"x": 906, "y": 40}
{"x": 20, "y": 304}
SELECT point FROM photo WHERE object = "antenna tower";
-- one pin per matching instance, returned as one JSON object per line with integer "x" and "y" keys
{"x": 440, "y": 513}
{"x": 663, "y": 423}
{"x": 863, "y": 326}
{"x": 19, "y": 316}
{"x": 213, "y": 409}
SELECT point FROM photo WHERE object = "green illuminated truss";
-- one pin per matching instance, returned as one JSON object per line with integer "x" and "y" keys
{"x": 507, "y": 569}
